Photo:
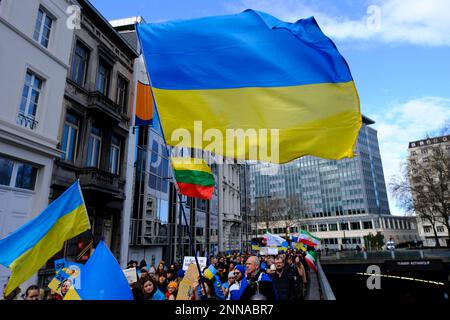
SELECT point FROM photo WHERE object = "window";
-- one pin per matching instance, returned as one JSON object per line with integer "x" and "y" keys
{"x": 424, "y": 151}
{"x": 344, "y": 226}
{"x": 323, "y": 227}
{"x": 367, "y": 224}
{"x": 333, "y": 227}
{"x": 103, "y": 72}
{"x": 114, "y": 155}
{"x": 427, "y": 229}
{"x": 440, "y": 229}
{"x": 17, "y": 174}
{"x": 355, "y": 226}
{"x": 80, "y": 64}
{"x": 6, "y": 169}
{"x": 122, "y": 92}
{"x": 313, "y": 228}
{"x": 70, "y": 137}
{"x": 30, "y": 100}
{"x": 94, "y": 147}
{"x": 42, "y": 28}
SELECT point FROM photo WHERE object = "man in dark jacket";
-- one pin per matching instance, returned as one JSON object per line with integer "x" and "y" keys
{"x": 257, "y": 285}
{"x": 283, "y": 280}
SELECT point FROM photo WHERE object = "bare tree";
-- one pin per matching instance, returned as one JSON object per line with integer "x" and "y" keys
{"x": 423, "y": 188}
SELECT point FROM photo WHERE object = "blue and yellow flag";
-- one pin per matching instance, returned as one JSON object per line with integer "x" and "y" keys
{"x": 234, "y": 76}
{"x": 27, "y": 249}
{"x": 101, "y": 279}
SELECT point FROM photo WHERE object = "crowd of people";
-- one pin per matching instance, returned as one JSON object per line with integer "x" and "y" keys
{"x": 238, "y": 276}
{"x": 241, "y": 277}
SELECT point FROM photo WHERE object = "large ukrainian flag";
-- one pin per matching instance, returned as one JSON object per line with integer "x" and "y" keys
{"x": 27, "y": 249}
{"x": 253, "y": 71}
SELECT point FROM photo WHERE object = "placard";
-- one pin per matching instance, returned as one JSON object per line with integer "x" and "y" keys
{"x": 188, "y": 260}
{"x": 131, "y": 275}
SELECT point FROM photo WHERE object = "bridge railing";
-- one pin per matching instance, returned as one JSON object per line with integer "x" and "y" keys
{"x": 373, "y": 255}
{"x": 325, "y": 288}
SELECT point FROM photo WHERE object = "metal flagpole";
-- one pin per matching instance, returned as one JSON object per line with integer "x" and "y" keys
{"x": 173, "y": 178}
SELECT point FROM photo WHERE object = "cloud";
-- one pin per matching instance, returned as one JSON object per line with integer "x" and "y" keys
{"x": 389, "y": 21}
{"x": 403, "y": 122}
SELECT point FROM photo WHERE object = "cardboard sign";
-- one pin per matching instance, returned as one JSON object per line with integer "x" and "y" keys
{"x": 188, "y": 260}
{"x": 131, "y": 275}
{"x": 186, "y": 287}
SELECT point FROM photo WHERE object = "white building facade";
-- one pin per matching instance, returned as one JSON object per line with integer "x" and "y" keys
{"x": 35, "y": 50}
{"x": 419, "y": 153}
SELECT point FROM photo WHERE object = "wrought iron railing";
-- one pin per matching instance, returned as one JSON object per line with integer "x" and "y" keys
{"x": 26, "y": 121}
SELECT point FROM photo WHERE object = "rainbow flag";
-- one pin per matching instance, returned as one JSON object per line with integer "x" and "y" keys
{"x": 244, "y": 75}
{"x": 27, "y": 249}
{"x": 194, "y": 177}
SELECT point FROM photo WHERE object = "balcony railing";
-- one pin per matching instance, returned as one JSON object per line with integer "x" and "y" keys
{"x": 101, "y": 102}
{"x": 26, "y": 121}
{"x": 98, "y": 178}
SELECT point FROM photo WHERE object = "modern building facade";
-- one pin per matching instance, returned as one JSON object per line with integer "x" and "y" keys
{"x": 308, "y": 190}
{"x": 94, "y": 134}
{"x": 419, "y": 153}
{"x": 35, "y": 51}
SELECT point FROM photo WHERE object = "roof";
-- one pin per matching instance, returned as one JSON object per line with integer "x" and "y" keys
{"x": 101, "y": 22}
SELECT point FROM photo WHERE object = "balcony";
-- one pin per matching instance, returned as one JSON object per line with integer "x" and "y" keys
{"x": 97, "y": 101}
{"x": 103, "y": 181}
{"x": 26, "y": 121}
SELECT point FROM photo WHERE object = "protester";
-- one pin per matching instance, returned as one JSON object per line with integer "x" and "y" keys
{"x": 161, "y": 269}
{"x": 222, "y": 272}
{"x": 162, "y": 283}
{"x": 234, "y": 291}
{"x": 171, "y": 276}
{"x": 33, "y": 293}
{"x": 283, "y": 280}
{"x": 150, "y": 290}
{"x": 259, "y": 285}
{"x": 199, "y": 292}
{"x": 172, "y": 289}
{"x": 180, "y": 276}
{"x": 301, "y": 279}
{"x": 226, "y": 285}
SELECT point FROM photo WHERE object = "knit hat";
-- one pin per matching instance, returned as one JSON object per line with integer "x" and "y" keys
{"x": 172, "y": 284}
{"x": 180, "y": 273}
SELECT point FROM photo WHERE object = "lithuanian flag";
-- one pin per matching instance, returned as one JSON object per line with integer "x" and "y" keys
{"x": 194, "y": 177}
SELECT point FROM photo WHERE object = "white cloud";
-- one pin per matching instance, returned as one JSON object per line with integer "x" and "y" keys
{"x": 401, "y": 21}
{"x": 402, "y": 123}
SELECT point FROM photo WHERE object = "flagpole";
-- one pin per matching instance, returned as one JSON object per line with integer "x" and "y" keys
{"x": 172, "y": 177}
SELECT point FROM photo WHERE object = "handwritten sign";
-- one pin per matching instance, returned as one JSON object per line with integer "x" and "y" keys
{"x": 188, "y": 260}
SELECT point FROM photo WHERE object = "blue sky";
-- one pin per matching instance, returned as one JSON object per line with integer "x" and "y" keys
{"x": 398, "y": 52}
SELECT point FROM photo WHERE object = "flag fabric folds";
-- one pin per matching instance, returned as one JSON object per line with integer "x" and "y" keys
{"x": 308, "y": 239}
{"x": 102, "y": 278}
{"x": 210, "y": 272}
{"x": 275, "y": 241}
{"x": 251, "y": 71}
{"x": 27, "y": 249}
{"x": 194, "y": 177}
{"x": 311, "y": 260}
